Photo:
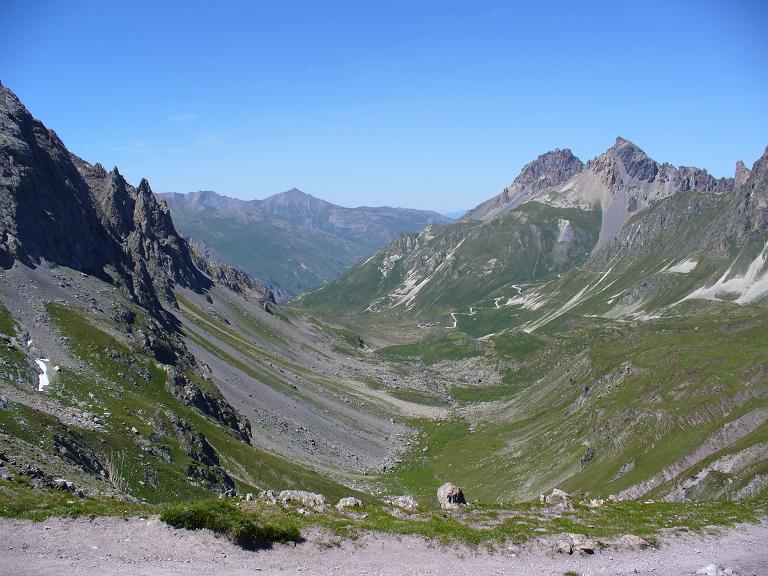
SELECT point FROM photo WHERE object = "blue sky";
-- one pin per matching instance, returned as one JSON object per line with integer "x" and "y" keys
{"x": 422, "y": 104}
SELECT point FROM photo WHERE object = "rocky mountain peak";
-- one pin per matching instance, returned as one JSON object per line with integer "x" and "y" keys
{"x": 624, "y": 160}
{"x": 742, "y": 173}
{"x": 550, "y": 169}
{"x": 58, "y": 208}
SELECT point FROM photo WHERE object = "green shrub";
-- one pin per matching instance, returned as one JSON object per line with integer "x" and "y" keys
{"x": 222, "y": 518}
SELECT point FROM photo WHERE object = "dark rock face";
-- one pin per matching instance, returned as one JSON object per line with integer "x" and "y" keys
{"x": 210, "y": 404}
{"x": 57, "y": 208}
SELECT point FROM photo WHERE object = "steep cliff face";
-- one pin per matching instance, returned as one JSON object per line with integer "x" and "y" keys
{"x": 57, "y": 208}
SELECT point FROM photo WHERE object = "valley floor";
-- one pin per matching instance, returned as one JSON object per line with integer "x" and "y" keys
{"x": 111, "y": 546}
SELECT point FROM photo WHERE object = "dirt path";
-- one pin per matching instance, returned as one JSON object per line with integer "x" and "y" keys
{"x": 109, "y": 546}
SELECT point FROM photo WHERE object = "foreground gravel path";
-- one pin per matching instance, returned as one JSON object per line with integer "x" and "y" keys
{"x": 109, "y": 546}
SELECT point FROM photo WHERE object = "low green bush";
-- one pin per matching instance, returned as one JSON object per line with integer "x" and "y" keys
{"x": 242, "y": 529}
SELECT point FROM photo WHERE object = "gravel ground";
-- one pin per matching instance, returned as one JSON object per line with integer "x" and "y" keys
{"x": 110, "y": 546}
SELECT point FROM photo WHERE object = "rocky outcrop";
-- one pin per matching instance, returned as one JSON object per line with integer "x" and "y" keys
{"x": 205, "y": 467}
{"x": 742, "y": 174}
{"x": 450, "y": 497}
{"x": 575, "y": 544}
{"x": 301, "y": 497}
{"x": 209, "y": 402}
{"x": 58, "y": 209}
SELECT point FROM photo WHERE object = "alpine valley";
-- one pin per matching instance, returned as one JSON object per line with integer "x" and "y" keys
{"x": 596, "y": 330}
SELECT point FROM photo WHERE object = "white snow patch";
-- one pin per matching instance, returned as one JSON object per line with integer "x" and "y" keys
{"x": 683, "y": 267}
{"x": 750, "y": 286}
{"x": 564, "y": 230}
{"x": 42, "y": 379}
{"x": 572, "y": 303}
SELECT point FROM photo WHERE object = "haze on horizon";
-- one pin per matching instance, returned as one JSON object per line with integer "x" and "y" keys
{"x": 435, "y": 106}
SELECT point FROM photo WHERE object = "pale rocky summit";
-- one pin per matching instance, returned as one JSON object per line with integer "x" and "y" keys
{"x": 549, "y": 170}
{"x": 450, "y": 496}
{"x": 621, "y": 181}
{"x": 309, "y": 499}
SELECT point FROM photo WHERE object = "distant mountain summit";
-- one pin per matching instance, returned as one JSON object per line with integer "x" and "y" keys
{"x": 293, "y": 239}
{"x": 621, "y": 181}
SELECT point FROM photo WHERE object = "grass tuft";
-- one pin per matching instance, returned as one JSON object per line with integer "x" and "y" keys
{"x": 242, "y": 529}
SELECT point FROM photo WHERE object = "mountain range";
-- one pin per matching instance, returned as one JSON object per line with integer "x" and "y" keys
{"x": 599, "y": 327}
{"x": 292, "y": 240}
{"x": 557, "y": 213}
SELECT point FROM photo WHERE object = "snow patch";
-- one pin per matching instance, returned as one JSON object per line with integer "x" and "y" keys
{"x": 683, "y": 267}
{"x": 745, "y": 288}
{"x": 42, "y": 379}
{"x": 564, "y": 230}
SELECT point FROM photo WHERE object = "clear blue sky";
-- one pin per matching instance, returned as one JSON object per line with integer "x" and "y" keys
{"x": 424, "y": 104}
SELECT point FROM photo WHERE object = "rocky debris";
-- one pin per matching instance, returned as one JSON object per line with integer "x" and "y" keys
{"x": 594, "y": 503}
{"x": 575, "y": 544}
{"x": 405, "y": 502}
{"x": 348, "y": 502}
{"x": 450, "y": 497}
{"x": 715, "y": 570}
{"x": 308, "y": 499}
{"x": 209, "y": 403}
{"x": 249, "y": 497}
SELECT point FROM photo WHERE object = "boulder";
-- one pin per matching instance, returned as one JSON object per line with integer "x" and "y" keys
{"x": 575, "y": 543}
{"x": 557, "y": 498}
{"x": 632, "y": 542}
{"x": 348, "y": 502}
{"x": 405, "y": 502}
{"x": 308, "y": 499}
{"x": 450, "y": 496}
{"x": 595, "y": 503}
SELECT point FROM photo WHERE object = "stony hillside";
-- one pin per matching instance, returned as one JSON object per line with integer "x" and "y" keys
{"x": 292, "y": 239}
